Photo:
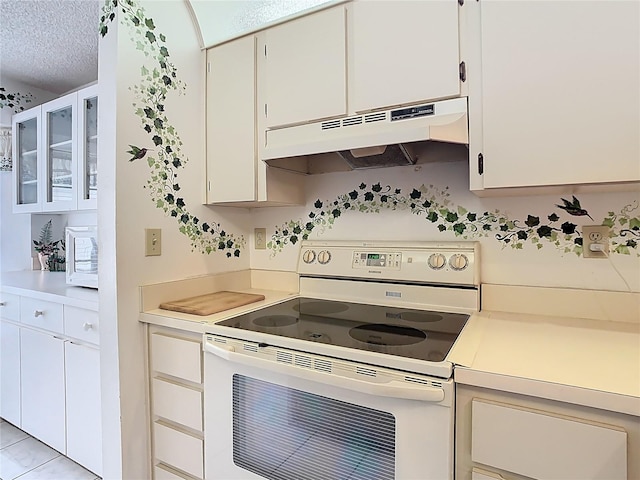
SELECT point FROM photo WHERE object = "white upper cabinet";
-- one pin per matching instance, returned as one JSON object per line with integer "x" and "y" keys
{"x": 59, "y": 139}
{"x": 55, "y": 157}
{"x": 235, "y": 175}
{"x": 554, "y": 95}
{"x": 231, "y": 119}
{"x": 305, "y": 69}
{"x": 26, "y": 171}
{"x": 402, "y": 52}
{"x": 87, "y": 168}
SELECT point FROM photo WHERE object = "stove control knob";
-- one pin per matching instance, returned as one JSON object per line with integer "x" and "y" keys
{"x": 324, "y": 257}
{"x": 308, "y": 256}
{"x": 458, "y": 262}
{"x": 437, "y": 261}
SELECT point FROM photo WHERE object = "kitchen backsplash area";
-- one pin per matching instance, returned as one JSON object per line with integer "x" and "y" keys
{"x": 532, "y": 240}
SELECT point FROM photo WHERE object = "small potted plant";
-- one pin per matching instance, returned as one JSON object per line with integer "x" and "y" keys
{"x": 44, "y": 246}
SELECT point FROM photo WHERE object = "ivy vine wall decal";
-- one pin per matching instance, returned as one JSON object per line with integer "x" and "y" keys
{"x": 435, "y": 206}
{"x": 165, "y": 157}
{"x": 429, "y": 203}
{"x": 14, "y": 100}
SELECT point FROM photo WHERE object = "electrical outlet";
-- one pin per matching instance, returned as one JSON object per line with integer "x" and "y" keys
{"x": 260, "y": 235}
{"x": 152, "y": 242}
{"x": 595, "y": 241}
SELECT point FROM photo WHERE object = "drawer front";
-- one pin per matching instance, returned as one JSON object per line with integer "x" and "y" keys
{"x": 81, "y": 324}
{"x": 177, "y": 357}
{"x": 10, "y": 306}
{"x": 504, "y": 437}
{"x": 179, "y": 450}
{"x": 42, "y": 314}
{"x": 179, "y": 404}
{"x": 161, "y": 472}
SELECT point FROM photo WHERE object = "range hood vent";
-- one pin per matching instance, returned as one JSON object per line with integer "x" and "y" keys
{"x": 373, "y": 139}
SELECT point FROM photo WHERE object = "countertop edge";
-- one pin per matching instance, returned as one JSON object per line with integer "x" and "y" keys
{"x": 609, "y": 401}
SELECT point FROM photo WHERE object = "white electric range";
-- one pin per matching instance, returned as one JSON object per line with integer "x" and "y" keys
{"x": 349, "y": 380}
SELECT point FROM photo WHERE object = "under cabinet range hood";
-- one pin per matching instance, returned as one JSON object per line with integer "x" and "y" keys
{"x": 371, "y": 140}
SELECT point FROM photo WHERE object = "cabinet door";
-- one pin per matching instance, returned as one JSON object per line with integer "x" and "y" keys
{"x": 10, "y": 372}
{"x": 87, "y": 169}
{"x": 26, "y": 158}
{"x": 42, "y": 387}
{"x": 560, "y": 93}
{"x": 402, "y": 52}
{"x": 305, "y": 68}
{"x": 59, "y": 139}
{"x": 231, "y": 120}
{"x": 84, "y": 421}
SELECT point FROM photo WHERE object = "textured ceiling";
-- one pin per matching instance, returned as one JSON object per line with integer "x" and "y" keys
{"x": 49, "y": 44}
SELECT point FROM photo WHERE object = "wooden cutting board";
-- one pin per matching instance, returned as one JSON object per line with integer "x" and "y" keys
{"x": 211, "y": 302}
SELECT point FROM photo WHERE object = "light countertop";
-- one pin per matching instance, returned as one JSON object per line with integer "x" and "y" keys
{"x": 589, "y": 362}
{"x": 50, "y": 286}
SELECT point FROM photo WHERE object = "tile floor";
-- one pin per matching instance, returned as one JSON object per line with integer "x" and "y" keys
{"x": 25, "y": 458}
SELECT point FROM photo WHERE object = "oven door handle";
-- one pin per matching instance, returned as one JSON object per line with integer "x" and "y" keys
{"x": 393, "y": 389}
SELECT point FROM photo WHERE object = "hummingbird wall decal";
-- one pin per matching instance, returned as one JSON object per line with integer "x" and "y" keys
{"x": 574, "y": 208}
{"x": 136, "y": 152}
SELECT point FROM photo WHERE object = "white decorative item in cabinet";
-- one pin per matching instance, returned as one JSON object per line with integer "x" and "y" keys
{"x": 176, "y": 403}
{"x": 305, "y": 68}
{"x": 42, "y": 387}
{"x": 27, "y": 159}
{"x": 508, "y": 436}
{"x": 56, "y": 155}
{"x": 235, "y": 174}
{"x": 402, "y": 52}
{"x": 550, "y": 105}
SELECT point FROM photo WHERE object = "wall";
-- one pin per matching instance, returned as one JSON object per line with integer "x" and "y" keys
{"x": 518, "y": 262}
{"x": 128, "y": 203}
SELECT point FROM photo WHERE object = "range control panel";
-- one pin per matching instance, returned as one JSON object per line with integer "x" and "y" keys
{"x": 428, "y": 262}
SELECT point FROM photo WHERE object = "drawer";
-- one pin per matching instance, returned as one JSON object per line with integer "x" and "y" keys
{"x": 180, "y": 450}
{"x": 179, "y": 404}
{"x": 10, "y": 306}
{"x": 81, "y": 324}
{"x": 162, "y": 472}
{"x": 42, "y": 314}
{"x": 178, "y": 357}
{"x": 537, "y": 444}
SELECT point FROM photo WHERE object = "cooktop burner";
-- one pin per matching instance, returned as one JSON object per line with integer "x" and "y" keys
{"x": 423, "y": 335}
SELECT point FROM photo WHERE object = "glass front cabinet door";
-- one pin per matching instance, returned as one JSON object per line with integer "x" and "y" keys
{"x": 88, "y": 148}
{"x": 60, "y": 152}
{"x": 26, "y": 160}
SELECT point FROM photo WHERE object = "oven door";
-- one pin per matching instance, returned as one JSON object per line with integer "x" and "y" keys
{"x": 283, "y": 414}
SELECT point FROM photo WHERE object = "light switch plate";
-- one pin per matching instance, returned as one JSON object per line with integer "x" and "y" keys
{"x": 152, "y": 242}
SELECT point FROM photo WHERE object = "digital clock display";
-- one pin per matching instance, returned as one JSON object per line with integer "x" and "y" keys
{"x": 373, "y": 256}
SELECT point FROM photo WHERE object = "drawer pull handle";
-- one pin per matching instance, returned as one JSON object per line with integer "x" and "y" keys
{"x": 87, "y": 326}
{"x": 2, "y": 304}
{"x": 38, "y": 313}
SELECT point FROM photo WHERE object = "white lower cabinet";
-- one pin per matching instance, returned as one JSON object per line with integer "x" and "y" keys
{"x": 84, "y": 419}
{"x": 504, "y": 436}
{"x": 42, "y": 387}
{"x": 50, "y": 375}
{"x": 10, "y": 372}
{"x": 175, "y": 362}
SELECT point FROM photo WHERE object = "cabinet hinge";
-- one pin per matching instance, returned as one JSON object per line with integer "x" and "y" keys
{"x": 209, "y": 185}
{"x": 463, "y": 72}
{"x": 480, "y": 164}
{"x": 208, "y": 67}
{"x": 265, "y": 110}
{"x": 265, "y": 50}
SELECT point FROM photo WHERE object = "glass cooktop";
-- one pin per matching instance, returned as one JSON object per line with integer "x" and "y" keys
{"x": 418, "y": 334}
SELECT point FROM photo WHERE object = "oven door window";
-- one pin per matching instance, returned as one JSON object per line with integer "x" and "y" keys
{"x": 283, "y": 433}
